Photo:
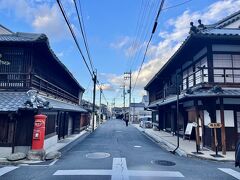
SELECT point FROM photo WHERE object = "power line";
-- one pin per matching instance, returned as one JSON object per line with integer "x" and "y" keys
{"x": 81, "y": 23}
{"x": 153, "y": 31}
{"x": 74, "y": 36}
{"x": 142, "y": 36}
{"x": 170, "y": 7}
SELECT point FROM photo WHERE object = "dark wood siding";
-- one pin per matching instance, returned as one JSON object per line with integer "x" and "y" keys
{"x": 6, "y": 130}
{"x": 50, "y": 124}
{"x": 25, "y": 128}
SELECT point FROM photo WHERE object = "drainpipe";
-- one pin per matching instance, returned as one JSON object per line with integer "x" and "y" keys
{"x": 174, "y": 151}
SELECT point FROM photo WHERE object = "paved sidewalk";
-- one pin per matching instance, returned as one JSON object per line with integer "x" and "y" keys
{"x": 58, "y": 146}
{"x": 186, "y": 147}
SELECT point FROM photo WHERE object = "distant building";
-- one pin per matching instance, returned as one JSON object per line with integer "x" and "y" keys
{"x": 145, "y": 100}
{"x": 206, "y": 70}
{"x": 118, "y": 112}
{"x": 137, "y": 110}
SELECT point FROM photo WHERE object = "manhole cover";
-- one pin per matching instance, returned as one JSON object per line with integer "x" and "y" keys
{"x": 97, "y": 155}
{"x": 137, "y": 146}
{"x": 163, "y": 163}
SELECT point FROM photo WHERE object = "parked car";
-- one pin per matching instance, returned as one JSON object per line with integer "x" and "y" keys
{"x": 145, "y": 122}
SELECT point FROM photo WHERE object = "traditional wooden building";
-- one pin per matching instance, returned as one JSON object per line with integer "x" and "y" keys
{"x": 32, "y": 81}
{"x": 201, "y": 81}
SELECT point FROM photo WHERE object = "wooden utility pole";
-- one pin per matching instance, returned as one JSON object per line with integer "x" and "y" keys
{"x": 94, "y": 96}
{"x": 128, "y": 75}
{"x": 100, "y": 98}
{"x": 197, "y": 127}
{"x": 124, "y": 97}
{"x": 223, "y": 133}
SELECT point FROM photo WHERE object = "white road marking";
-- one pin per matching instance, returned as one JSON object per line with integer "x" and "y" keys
{"x": 120, "y": 172}
{"x": 231, "y": 172}
{"x": 119, "y": 169}
{"x": 52, "y": 163}
{"x": 83, "y": 172}
{"x": 7, "y": 169}
{"x": 156, "y": 173}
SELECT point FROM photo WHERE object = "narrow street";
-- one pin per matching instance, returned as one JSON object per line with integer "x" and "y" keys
{"x": 123, "y": 153}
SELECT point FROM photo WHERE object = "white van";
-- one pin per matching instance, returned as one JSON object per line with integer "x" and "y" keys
{"x": 145, "y": 122}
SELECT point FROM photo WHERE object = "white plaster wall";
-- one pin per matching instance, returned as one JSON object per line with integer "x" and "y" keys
{"x": 224, "y": 47}
{"x": 228, "y": 118}
{"x": 70, "y": 125}
{"x": 5, "y": 151}
{"x": 207, "y": 119}
{"x": 23, "y": 149}
{"x": 50, "y": 142}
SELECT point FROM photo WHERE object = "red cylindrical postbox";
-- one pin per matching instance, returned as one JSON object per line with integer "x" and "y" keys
{"x": 38, "y": 132}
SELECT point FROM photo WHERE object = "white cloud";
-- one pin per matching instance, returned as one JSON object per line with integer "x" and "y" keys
{"x": 120, "y": 43}
{"x": 43, "y": 16}
{"x": 125, "y": 44}
{"x": 172, "y": 38}
{"x": 105, "y": 87}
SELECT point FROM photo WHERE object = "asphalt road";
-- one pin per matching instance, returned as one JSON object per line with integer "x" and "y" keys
{"x": 116, "y": 152}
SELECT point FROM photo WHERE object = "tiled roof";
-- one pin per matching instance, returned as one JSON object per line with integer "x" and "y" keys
{"x": 228, "y": 20}
{"x": 4, "y": 30}
{"x": 165, "y": 101}
{"x": 22, "y": 37}
{"x": 13, "y": 101}
{"x": 231, "y": 92}
{"x": 223, "y": 31}
{"x": 56, "y": 104}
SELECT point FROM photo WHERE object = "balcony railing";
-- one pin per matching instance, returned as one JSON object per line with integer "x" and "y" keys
{"x": 20, "y": 81}
{"x": 14, "y": 81}
{"x": 43, "y": 85}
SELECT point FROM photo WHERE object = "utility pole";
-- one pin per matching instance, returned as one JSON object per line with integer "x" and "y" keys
{"x": 94, "y": 96}
{"x": 128, "y": 75}
{"x": 124, "y": 96}
{"x": 100, "y": 110}
{"x": 124, "y": 100}
{"x": 114, "y": 102}
{"x": 113, "y": 111}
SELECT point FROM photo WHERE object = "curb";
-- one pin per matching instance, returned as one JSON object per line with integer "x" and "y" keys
{"x": 165, "y": 145}
{"x": 62, "y": 149}
{"x": 209, "y": 159}
{"x": 170, "y": 147}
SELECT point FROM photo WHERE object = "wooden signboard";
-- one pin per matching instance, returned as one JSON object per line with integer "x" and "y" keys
{"x": 189, "y": 128}
{"x": 214, "y": 125}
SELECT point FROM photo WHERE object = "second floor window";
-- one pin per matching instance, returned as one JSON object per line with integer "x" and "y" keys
{"x": 226, "y": 68}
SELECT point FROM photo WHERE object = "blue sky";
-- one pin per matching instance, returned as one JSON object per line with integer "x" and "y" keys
{"x": 111, "y": 28}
